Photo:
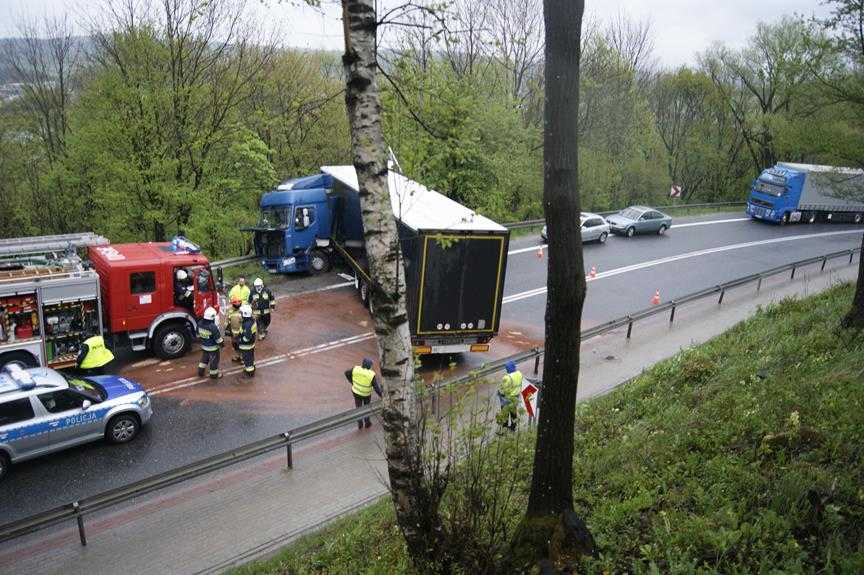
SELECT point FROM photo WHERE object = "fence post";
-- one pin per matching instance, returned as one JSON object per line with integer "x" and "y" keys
{"x": 80, "y": 519}
{"x": 629, "y": 326}
{"x": 792, "y": 277}
{"x": 851, "y": 254}
{"x": 759, "y": 284}
{"x": 672, "y": 315}
{"x": 537, "y": 364}
{"x": 824, "y": 261}
{"x": 722, "y": 293}
{"x": 289, "y": 454}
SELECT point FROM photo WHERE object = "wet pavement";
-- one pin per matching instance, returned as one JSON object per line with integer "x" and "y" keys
{"x": 317, "y": 335}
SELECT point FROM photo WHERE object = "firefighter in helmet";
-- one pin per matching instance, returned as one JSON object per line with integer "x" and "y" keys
{"x": 211, "y": 342}
{"x": 262, "y": 302}
{"x": 234, "y": 327}
{"x": 248, "y": 335}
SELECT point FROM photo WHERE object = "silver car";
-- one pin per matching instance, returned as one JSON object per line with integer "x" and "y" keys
{"x": 593, "y": 228}
{"x": 639, "y": 220}
{"x": 43, "y": 411}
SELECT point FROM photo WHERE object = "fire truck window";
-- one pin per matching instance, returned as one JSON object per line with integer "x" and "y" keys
{"x": 304, "y": 217}
{"x": 15, "y": 411}
{"x": 60, "y": 401}
{"x": 204, "y": 281}
{"x": 142, "y": 282}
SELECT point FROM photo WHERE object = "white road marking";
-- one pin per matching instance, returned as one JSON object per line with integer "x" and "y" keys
{"x": 611, "y": 236}
{"x": 679, "y": 257}
{"x": 339, "y": 343}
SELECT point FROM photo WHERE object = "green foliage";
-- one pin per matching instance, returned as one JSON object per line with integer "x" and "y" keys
{"x": 741, "y": 455}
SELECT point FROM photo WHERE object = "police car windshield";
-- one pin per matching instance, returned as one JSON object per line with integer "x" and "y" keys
{"x": 90, "y": 389}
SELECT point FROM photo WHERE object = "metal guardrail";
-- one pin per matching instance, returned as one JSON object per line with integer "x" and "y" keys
{"x": 78, "y": 509}
{"x": 541, "y": 221}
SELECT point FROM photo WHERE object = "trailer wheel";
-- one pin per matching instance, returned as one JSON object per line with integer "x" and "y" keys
{"x": 171, "y": 341}
{"x": 812, "y": 218}
{"x": 319, "y": 262}
{"x": 22, "y": 359}
{"x": 858, "y": 218}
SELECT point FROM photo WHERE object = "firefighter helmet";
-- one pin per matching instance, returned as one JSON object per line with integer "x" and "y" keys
{"x": 246, "y": 310}
{"x": 259, "y": 283}
{"x": 210, "y": 314}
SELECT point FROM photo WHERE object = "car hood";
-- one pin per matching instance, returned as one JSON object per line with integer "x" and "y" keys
{"x": 618, "y": 219}
{"x": 116, "y": 386}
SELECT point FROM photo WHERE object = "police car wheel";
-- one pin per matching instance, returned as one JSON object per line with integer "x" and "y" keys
{"x": 122, "y": 428}
{"x": 4, "y": 465}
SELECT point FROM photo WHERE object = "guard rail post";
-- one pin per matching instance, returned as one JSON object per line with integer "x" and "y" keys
{"x": 759, "y": 283}
{"x": 851, "y": 253}
{"x": 722, "y": 293}
{"x": 792, "y": 277}
{"x": 80, "y": 519}
{"x": 289, "y": 454}
{"x": 824, "y": 261}
{"x": 537, "y": 364}
{"x": 629, "y": 326}
{"x": 672, "y": 313}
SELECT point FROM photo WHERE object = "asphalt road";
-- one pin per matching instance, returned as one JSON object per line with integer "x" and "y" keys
{"x": 318, "y": 334}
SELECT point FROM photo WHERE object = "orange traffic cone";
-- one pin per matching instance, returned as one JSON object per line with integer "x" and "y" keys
{"x": 540, "y": 253}
{"x": 593, "y": 273}
{"x": 656, "y": 299}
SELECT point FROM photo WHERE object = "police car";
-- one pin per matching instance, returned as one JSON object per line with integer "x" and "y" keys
{"x": 43, "y": 411}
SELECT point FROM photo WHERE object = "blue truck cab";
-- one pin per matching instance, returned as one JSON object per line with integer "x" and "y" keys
{"x": 298, "y": 221}
{"x": 788, "y": 193}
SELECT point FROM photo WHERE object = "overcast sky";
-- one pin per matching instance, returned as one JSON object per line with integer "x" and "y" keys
{"x": 681, "y": 28}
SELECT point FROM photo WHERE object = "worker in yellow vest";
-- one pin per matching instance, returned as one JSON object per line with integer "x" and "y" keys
{"x": 363, "y": 381}
{"x": 508, "y": 396}
{"x": 239, "y": 291}
{"x": 94, "y": 356}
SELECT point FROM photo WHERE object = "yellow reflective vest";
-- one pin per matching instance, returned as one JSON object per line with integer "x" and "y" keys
{"x": 97, "y": 354}
{"x": 361, "y": 381}
{"x": 241, "y": 292}
{"x": 511, "y": 385}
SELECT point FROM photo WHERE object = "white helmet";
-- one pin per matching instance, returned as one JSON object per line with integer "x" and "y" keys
{"x": 259, "y": 283}
{"x": 182, "y": 275}
{"x": 210, "y": 314}
{"x": 246, "y": 310}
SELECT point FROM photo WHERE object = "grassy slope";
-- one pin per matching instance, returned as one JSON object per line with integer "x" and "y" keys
{"x": 741, "y": 455}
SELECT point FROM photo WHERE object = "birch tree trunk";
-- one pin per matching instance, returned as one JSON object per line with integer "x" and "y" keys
{"x": 416, "y": 514}
{"x": 550, "y": 503}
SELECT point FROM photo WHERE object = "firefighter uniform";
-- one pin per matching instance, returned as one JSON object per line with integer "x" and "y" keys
{"x": 262, "y": 303}
{"x": 248, "y": 335}
{"x": 233, "y": 329}
{"x": 94, "y": 356}
{"x": 211, "y": 341}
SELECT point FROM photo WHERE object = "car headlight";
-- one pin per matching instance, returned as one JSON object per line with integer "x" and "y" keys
{"x": 144, "y": 401}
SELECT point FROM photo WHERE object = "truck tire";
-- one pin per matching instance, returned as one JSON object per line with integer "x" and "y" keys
{"x": 23, "y": 359}
{"x": 171, "y": 340}
{"x": 122, "y": 428}
{"x": 319, "y": 262}
{"x": 4, "y": 465}
{"x": 364, "y": 293}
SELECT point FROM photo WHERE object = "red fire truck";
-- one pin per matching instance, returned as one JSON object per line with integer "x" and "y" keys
{"x": 51, "y": 300}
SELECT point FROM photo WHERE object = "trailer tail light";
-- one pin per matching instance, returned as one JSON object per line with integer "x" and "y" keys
{"x": 421, "y": 349}
{"x": 480, "y": 347}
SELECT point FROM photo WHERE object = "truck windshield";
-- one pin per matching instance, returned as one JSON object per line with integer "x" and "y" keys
{"x": 770, "y": 188}
{"x": 275, "y": 217}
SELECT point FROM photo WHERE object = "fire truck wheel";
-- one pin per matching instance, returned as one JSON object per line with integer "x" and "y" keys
{"x": 171, "y": 341}
{"x": 319, "y": 262}
{"x": 19, "y": 358}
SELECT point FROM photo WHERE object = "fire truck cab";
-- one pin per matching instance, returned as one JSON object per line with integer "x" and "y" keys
{"x": 143, "y": 299}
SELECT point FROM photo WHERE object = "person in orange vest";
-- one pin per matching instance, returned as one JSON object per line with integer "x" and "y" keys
{"x": 363, "y": 381}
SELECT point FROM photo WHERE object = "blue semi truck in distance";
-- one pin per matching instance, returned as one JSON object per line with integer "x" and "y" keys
{"x": 789, "y": 193}
{"x": 455, "y": 259}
